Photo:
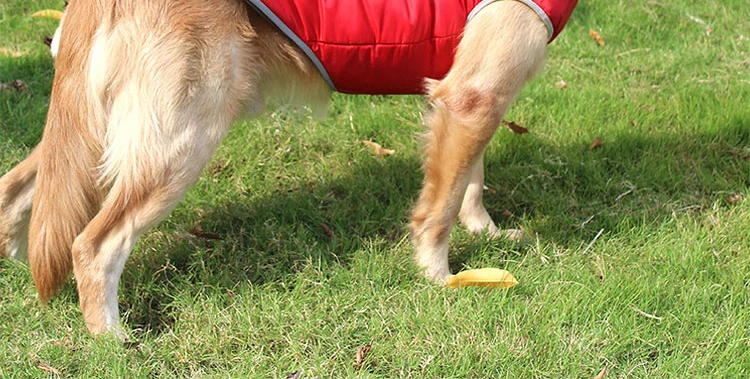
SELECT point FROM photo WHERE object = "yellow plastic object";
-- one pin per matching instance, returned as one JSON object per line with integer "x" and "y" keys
{"x": 482, "y": 277}
{"x": 47, "y": 13}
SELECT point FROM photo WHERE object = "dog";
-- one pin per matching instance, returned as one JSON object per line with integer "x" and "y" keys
{"x": 145, "y": 90}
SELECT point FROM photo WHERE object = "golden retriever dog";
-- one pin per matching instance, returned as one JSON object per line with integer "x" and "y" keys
{"x": 145, "y": 90}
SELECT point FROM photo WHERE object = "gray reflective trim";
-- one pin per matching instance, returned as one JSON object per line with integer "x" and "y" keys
{"x": 531, "y": 4}
{"x": 478, "y": 8}
{"x": 262, "y": 8}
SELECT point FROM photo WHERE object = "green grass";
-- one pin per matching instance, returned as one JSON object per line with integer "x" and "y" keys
{"x": 663, "y": 292}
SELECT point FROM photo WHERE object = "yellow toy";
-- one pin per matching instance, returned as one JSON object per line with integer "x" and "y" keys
{"x": 482, "y": 277}
{"x": 48, "y": 13}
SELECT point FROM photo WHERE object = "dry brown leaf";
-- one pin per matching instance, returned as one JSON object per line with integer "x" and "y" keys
{"x": 17, "y": 85}
{"x": 64, "y": 343}
{"x": 361, "y": 356}
{"x": 507, "y": 213}
{"x": 44, "y": 366}
{"x": 328, "y": 232}
{"x": 595, "y": 35}
{"x": 515, "y": 128}
{"x": 378, "y": 150}
{"x": 601, "y": 373}
{"x": 561, "y": 84}
{"x": 11, "y": 53}
{"x": 738, "y": 155}
{"x": 734, "y": 199}
{"x": 197, "y": 231}
{"x": 597, "y": 143}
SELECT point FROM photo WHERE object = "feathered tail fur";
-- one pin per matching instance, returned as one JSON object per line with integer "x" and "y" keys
{"x": 67, "y": 195}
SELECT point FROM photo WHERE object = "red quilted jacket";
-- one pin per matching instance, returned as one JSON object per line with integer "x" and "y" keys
{"x": 386, "y": 46}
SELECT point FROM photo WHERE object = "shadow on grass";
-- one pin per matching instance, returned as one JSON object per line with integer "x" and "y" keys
{"x": 565, "y": 193}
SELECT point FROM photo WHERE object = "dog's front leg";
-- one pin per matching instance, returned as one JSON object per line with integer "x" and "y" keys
{"x": 502, "y": 48}
{"x": 473, "y": 214}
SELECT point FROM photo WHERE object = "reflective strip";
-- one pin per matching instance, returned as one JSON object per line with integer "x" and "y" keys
{"x": 531, "y": 4}
{"x": 263, "y": 9}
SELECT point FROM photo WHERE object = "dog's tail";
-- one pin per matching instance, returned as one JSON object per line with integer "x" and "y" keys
{"x": 67, "y": 195}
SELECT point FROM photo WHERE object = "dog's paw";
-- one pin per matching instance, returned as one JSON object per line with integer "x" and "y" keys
{"x": 438, "y": 273}
{"x": 114, "y": 331}
{"x": 439, "y": 278}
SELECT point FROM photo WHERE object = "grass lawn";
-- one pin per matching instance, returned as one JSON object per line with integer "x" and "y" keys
{"x": 640, "y": 265}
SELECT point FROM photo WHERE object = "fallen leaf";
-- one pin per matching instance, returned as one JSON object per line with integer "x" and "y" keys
{"x": 597, "y": 143}
{"x": 599, "y": 264}
{"x": 601, "y": 373}
{"x": 44, "y": 366}
{"x": 561, "y": 84}
{"x": 197, "y": 231}
{"x": 738, "y": 155}
{"x": 379, "y": 150}
{"x": 361, "y": 356}
{"x": 17, "y": 85}
{"x": 64, "y": 343}
{"x": 734, "y": 199}
{"x": 515, "y": 128}
{"x": 328, "y": 232}
{"x": 11, "y": 53}
{"x": 595, "y": 35}
{"x": 507, "y": 213}
{"x": 48, "y": 13}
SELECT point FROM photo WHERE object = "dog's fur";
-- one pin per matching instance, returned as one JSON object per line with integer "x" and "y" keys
{"x": 145, "y": 90}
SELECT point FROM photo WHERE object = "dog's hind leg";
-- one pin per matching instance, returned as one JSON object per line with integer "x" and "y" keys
{"x": 170, "y": 95}
{"x": 502, "y": 47}
{"x": 16, "y": 195}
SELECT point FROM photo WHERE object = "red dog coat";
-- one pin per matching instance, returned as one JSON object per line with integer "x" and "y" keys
{"x": 387, "y": 46}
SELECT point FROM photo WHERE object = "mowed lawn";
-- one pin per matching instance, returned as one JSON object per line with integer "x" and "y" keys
{"x": 291, "y": 254}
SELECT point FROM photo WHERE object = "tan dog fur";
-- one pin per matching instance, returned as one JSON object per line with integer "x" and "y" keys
{"x": 144, "y": 91}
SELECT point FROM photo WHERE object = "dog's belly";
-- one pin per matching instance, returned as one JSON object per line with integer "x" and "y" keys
{"x": 386, "y": 46}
